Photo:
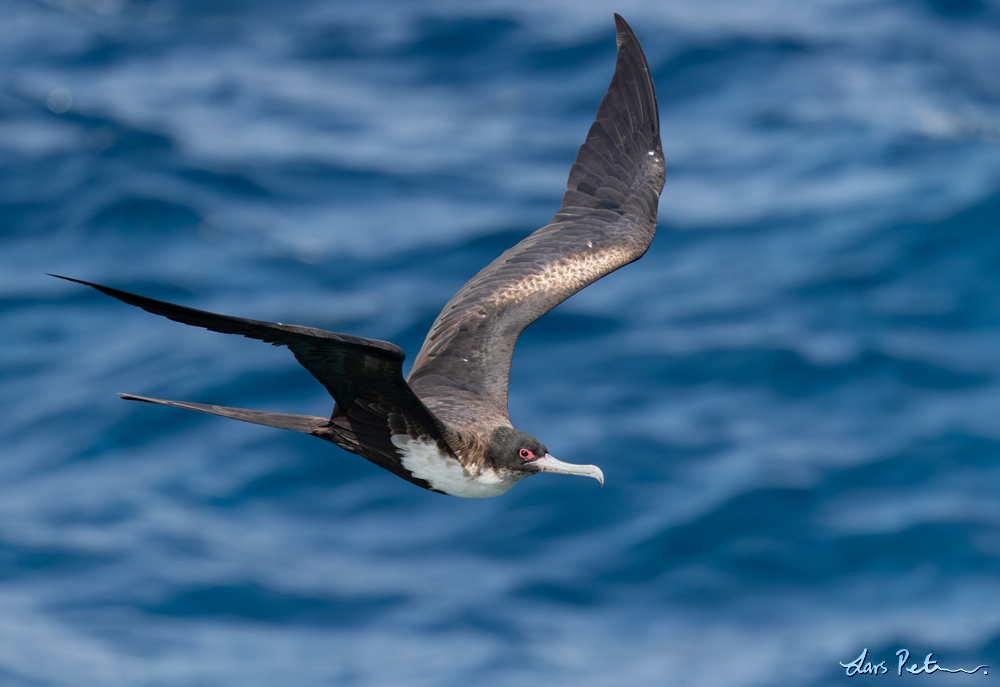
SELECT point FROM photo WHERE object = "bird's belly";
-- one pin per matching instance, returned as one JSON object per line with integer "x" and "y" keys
{"x": 443, "y": 472}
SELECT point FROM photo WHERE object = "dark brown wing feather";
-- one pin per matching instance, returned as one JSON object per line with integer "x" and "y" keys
{"x": 607, "y": 220}
{"x": 364, "y": 377}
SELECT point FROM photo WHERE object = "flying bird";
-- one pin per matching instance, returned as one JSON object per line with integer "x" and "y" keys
{"x": 445, "y": 428}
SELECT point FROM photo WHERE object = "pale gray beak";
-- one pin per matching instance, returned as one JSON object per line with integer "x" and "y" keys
{"x": 549, "y": 464}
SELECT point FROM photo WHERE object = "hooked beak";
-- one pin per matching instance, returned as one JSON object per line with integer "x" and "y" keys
{"x": 549, "y": 464}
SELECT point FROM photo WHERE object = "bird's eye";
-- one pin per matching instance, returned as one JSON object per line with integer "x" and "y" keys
{"x": 526, "y": 454}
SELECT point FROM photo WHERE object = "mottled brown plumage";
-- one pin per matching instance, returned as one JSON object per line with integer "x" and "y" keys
{"x": 446, "y": 428}
{"x": 607, "y": 220}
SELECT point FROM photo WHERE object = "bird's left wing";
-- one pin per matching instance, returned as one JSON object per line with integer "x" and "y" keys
{"x": 364, "y": 377}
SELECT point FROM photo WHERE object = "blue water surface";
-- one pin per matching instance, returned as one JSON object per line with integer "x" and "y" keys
{"x": 794, "y": 396}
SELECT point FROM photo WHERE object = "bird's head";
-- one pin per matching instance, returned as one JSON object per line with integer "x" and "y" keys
{"x": 520, "y": 452}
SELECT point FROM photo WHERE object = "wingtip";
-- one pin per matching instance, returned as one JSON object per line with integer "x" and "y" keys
{"x": 625, "y": 32}
{"x": 630, "y": 52}
{"x": 77, "y": 281}
{"x": 59, "y": 276}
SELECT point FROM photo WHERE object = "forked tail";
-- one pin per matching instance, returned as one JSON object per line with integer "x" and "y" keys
{"x": 300, "y": 423}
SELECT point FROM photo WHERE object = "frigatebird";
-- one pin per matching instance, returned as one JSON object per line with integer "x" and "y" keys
{"x": 445, "y": 428}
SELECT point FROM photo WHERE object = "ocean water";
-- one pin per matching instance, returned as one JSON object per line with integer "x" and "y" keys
{"x": 794, "y": 396}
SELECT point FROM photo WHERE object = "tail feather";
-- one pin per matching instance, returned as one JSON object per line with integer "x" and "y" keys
{"x": 298, "y": 423}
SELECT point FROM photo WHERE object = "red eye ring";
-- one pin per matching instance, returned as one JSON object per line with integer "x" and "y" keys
{"x": 525, "y": 454}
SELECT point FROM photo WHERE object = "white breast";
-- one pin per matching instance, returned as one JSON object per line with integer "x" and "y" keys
{"x": 425, "y": 460}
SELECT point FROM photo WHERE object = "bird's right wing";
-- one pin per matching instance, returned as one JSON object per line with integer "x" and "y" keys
{"x": 607, "y": 220}
{"x": 364, "y": 377}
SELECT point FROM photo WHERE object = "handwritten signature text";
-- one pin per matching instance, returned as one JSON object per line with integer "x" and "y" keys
{"x": 862, "y": 666}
